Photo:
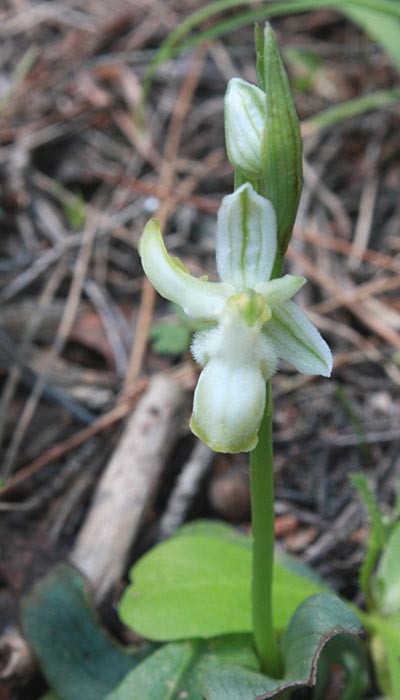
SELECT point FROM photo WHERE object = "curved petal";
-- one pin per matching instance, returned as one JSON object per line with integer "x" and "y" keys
{"x": 245, "y": 116}
{"x": 297, "y": 341}
{"x": 278, "y": 290}
{"x": 198, "y": 298}
{"x": 246, "y": 238}
{"x": 228, "y": 406}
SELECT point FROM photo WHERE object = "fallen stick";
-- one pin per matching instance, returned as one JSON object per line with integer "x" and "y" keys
{"x": 185, "y": 489}
{"x": 128, "y": 485}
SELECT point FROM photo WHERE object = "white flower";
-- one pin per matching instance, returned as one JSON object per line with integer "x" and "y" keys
{"x": 256, "y": 321}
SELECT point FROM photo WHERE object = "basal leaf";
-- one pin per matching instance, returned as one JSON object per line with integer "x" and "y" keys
{"x": 217, "y": 529}
{"x": 160, "y": 676}
{"x": 227, "y": 533}
{"x": 75, "y": 655}
{"x": 176, "y": 670}
{"x": 349, "y": 653}
{"x": 315, "y": 622}
{"x": 199, "y": 586}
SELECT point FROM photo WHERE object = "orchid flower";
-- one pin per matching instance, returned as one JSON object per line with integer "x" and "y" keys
{"x": 256, "y": 321}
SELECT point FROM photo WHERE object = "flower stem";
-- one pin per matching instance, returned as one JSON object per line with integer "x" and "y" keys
{"x": 262, "y": 504}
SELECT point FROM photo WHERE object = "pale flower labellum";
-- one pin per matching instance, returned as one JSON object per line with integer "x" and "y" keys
{"x": 256, "y": 321}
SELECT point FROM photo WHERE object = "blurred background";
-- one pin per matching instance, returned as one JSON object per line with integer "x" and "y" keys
{"x": 87, "y": 156}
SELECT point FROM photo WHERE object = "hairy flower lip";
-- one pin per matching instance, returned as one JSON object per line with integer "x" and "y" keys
{"x": 257, "y": 322}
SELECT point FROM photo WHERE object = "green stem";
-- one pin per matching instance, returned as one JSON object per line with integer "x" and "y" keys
{"x": 262, "y": 504}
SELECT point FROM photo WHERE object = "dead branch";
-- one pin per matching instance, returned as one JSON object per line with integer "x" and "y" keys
{"x": 128, "y": 485}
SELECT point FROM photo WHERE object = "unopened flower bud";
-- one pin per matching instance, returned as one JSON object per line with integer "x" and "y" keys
{"x": 245, "y": 113}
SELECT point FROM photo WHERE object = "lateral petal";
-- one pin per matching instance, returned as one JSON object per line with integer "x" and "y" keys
{"x": 278, "y": 290}
{"x": 246, "y": 238}
{"x": 297, "y": 341}
{"x": 198, "y": 298}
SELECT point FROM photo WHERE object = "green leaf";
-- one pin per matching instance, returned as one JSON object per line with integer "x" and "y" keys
{"x": 221, "y": 530}
{"x": 355, "y": 421}
{"x": 385, "y": 648}
{"x": 173, "y": 338}
{"x": 175, "y": 671}
{"x": 217, "y": 529}
{"x": 76, "y": 656}
{"x": 188, "y": 34}
{"x": 377, "y": 536}
{"x": 169, "y": 338}
{"x": 315, "y": 622}
{"x": 199, "y": 586}
{"x": 305, "y": 65}
{"x": 351, "y": 108}
{"x": 386, "y": 582}
{"x": 75, "y": 211}
{"x": 380, "y": 26}
{"x": 282, "y": 149}
{"x": 348, "y": 653}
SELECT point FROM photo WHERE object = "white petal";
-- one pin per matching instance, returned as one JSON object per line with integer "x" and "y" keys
{"x": 279, "y": 290}
{"x": 245, "y": 112}
{"x": 246, "y": 238}
{"x": 228, "y": 406}
{"x": 198, "y": 298}
{"x": 297, "y": 341}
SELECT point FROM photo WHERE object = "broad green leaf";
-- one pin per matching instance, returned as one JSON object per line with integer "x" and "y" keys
{"x": 381, "y": 27}
{"x": 75, "y": 655}
{"x": 175, "y": 671}
{"x": 199, "y": 586}
{"x": 315, "y": 622}
{"x": 349, "y": 653}
{"x": 217, "y": 529}
{"x": 296, "y": 566}
{"x": 221, "y": 530}
{"x": 386, "y": 582}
